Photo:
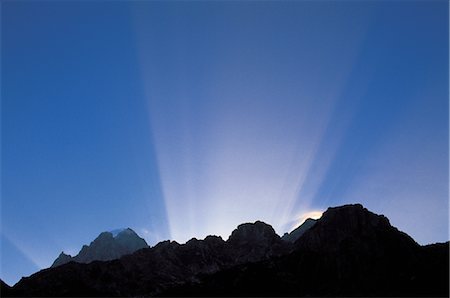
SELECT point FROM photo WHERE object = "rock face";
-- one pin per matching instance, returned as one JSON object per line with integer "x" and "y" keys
{"x": 299, "y": 231}
{"x": 350, "y": 251}
{"x": 105, "y": 247}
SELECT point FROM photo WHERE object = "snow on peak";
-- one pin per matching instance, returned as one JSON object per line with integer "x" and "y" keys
{"x": 117, "y": 232}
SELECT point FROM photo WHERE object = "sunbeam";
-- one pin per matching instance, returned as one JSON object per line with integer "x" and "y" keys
{"x": 182, "y": 119}
{"x": 232, "y": 151}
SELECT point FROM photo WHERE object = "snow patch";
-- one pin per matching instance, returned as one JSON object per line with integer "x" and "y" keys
{"x": 117, "y": 232}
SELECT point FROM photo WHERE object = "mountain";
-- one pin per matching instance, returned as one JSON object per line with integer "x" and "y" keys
{"x": 300, "y": 230}
{"x": 150, "y": 271}
{"x": 252, "y": 242}
{"x": 5, "y": 289}
{"x": 62, "y": 259}
{"x": 350, "y": 251}
{"x": 107, "y": 246}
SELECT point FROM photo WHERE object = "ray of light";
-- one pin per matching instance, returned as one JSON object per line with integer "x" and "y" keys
{"x": 310, "y": 214}
{"x": 25, "y": 252}
{"x": 231, "y": 150}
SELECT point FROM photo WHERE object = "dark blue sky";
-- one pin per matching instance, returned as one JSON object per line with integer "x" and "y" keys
{"x": 183, "y": 119}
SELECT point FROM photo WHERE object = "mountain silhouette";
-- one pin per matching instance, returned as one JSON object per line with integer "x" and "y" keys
{"x": 350, "y": 251}
{"x": 107, "y": 246}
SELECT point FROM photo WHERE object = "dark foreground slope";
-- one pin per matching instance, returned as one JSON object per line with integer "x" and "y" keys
{"x": 348, "y": 252}
{"x": 5, "y": 290}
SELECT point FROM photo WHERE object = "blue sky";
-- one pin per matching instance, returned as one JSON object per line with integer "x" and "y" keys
{"x": 183, "y": 119}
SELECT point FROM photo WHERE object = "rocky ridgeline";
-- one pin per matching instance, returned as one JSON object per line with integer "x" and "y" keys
{"x": 105, "y": 247}
{"x": 350, "y": 251}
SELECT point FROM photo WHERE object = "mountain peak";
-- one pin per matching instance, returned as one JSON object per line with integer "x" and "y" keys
{"x": 115, "y": 232}
{"x": 62, "y": 259}
{"x": 107, "y": 246}
{"x": 253, "y": 232}
{"x": 251, "y": 242}
{"x": 353, "y": 216}
{"x": 122, "y": 231}
{"x": 63, "y": 254}
{"x": 103, "y": 236}
{"x": 340, "y": 226}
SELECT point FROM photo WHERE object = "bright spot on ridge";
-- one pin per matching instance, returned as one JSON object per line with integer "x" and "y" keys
{"x": 310, "y": 214}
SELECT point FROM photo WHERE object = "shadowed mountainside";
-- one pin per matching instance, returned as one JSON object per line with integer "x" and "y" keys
{"x": 350, "y": 251}
{"x": 5, "y": 289}
{"x": 299, "y": 231}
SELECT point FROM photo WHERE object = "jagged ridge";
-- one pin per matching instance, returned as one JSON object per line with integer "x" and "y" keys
{"x": 107, "y": 246}
{"x": 349, "y": 251}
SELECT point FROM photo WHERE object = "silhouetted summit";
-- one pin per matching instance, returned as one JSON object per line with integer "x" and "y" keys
{"x": 107, "y": 246}
{"x": 253, "y": 233}
{"x": 350, "y": 251}
{"x": 62, "y": 259}
{"x": 252, "y": 242}
{"x": 355, "y": 224}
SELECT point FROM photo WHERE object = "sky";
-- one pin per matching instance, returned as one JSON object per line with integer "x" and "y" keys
{"x": 181, "y": 119}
